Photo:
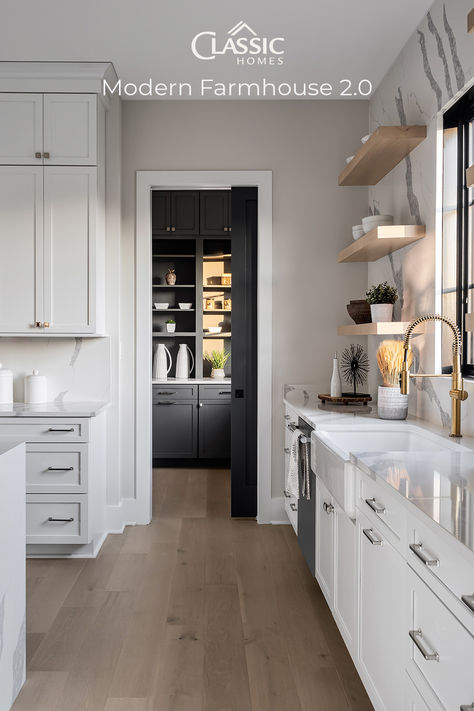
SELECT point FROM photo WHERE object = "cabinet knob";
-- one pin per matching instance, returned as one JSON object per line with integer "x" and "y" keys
{"x": 287, "y": 450}
{"x": 38, "y": 154}
{"x": 168, "y": 229}
{"x": 173, "y": 229}
{"x": 46, "y": 154}
{"x": 230, "y": 229}
{"x": 46, "y": 324}
{"x": 225, "y": 229}
{"x": 293, "y": 507}
{"x": 38, "y": 324}
{"x": 329, "y": 508}
{"x": 199, "y": 404}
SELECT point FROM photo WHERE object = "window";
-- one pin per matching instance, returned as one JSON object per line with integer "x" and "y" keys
{"x": 458, "y": 218}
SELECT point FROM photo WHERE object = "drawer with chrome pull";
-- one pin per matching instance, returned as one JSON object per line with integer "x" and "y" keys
{"x": 56, "y": 468}
{"x": 58, "y": 429}
{"x": 441, "y": 649}
{"x": 382, "y": 507}
{"x": 433, "y": 553}
{"x": 170, "y": 391}
{"x": 56, "y": 518}
{"x": 213, "y": 392}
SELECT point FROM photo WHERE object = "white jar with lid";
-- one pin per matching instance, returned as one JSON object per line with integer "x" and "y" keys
{"x": 36, "y": 389}
{"x": 6, "y": 386}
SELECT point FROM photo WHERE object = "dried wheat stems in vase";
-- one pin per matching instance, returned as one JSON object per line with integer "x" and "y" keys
{"x": 390, "y": 361}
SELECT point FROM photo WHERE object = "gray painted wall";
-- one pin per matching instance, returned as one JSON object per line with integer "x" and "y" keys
{"x": 304, "y": 144}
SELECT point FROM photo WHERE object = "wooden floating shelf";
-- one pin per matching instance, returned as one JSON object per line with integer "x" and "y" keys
{"x": 470, "y": 21}
{"x": 470, "y": 322}
{"x": 217, "y": 335}
{"x": 217, "y": 287}
{"x": 383, "y": 328}
{"x": 381, "y": 241}
{"x": 386, "y": 147}
{"x": 470, "y": 176}
{"x": 176, "y": 334}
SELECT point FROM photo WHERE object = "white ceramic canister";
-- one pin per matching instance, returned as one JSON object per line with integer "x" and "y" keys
{"x": 6, "y": 386}
{"x": 36, "y": 389}
{"x": 391, "y": 404}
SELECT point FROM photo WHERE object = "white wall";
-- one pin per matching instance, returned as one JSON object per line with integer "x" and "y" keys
{"x": 304, "y": 144}
{"x": 435, "y": 65}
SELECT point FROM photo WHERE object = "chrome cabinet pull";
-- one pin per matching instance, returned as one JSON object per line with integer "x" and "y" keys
{"x": 286, "y": 494}
{"x": 53, "y": 519}
{"x": 38, "y": 154}
{"x": 417, "y": 636}
{"x": 469, "y": 601}
{"x": 287, "y": 450}
{"x": 293, "y": 507}
{"x": 378, "y": 508}
{"x": 60, "y": 469}
{"x": 369, "y": 533}
{"x": 224, "y": 392}
{"x": 417, "y": 549}
{"x": 166, "y": 392}
{"x": 329, "y": 508}
{"x": 291, "y": 426}
{"x": 61, "y": 429}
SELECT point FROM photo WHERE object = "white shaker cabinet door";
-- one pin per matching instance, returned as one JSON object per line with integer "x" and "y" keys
{"x": 325, "y": 541}
{"x": 21, "y": 129}
{"x": 70, "y": 129}
{"x": 70, "y": 198}
{"x": 21, "y": 246}
{"x": 382, "y": 612}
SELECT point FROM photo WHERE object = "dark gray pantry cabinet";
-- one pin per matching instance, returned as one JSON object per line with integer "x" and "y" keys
{"x": 191, "y": 421}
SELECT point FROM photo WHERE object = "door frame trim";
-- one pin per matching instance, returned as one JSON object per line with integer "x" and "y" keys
{"x": 268, "y": 509}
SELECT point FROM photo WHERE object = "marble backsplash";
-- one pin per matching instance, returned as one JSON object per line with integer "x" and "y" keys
{"x": 434, "y": 67}
{"x": 76, "y": 368}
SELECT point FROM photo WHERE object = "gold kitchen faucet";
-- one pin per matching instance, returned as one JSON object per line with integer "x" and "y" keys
{"x": 457, "y": 392}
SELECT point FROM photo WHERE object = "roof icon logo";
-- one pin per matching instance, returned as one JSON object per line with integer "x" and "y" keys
{"x": 239, "y": 27}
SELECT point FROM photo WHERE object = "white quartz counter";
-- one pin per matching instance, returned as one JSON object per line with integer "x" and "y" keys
{"x": 54, "y": 409}
{"x": 438, "y": 483}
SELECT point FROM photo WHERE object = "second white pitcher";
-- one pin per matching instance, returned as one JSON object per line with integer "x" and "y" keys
{"x": 183, "y": 370}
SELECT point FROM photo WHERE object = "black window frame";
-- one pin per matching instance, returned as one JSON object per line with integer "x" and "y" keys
{"x": 459, "y": 116}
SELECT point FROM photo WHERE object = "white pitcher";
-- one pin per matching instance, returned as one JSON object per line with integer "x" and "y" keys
{"x": 160, "y": 365}
{"x": 183, "y": 370}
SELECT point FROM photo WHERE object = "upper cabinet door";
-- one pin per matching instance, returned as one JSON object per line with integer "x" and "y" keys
{"x": 70, "y": 197}
{"x": 161, "y": 212}
{"x": 185, "y": 212}
{"x": 21, "y": 244}
{"x": 70, "y": 129}
{"x": 215, "y": 213}
{"x": 21, "y": 133}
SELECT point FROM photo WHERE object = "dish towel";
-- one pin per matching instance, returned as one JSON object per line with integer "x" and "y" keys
{"x": 292, "y": 482}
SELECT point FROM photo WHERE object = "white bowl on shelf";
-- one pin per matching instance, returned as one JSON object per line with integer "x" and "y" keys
{"x": 184, "y": 306}
{"x": 214, "y": 329}
{"x": 373, "y": 221}
{"x": 357, "y": 231}
{"x": 348, "y": 159}
{"x": 161, "y": 306}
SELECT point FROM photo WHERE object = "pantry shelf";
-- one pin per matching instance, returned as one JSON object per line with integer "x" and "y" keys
{"x": 381, "y": 241}
{"x": 383, "y": 328}
{"x": 470, "y": 322}
{"x": 386, "y": 147}
{"x": 470, "y": 176}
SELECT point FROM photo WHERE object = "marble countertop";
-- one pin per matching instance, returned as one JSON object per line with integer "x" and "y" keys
{"x": 193, "y": 381}
{"x": 54, "y": 409}
{"x": 438, "y": 483}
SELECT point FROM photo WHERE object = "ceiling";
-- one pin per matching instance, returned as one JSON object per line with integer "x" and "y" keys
{"x": 324, "y": 40}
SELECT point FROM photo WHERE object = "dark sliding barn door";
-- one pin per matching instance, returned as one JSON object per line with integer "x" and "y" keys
{"x": 244, "y": 351}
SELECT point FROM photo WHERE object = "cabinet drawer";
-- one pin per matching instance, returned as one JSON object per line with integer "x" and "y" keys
{"x": 213, "y": 392}
{"x": 442, "y": 649}
{"x": 174, "y": 392}
{"x": 433, "y": 553}
{"x": 56, "y": 518}
{"x": 58, "y": 468}
{"x": 376, "y": 502}
{"x": 52, "y": 430}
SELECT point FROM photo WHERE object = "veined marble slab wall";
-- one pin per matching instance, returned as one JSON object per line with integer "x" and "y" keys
{"x": 435, "y": 66}
{"x": 76, "y": 368}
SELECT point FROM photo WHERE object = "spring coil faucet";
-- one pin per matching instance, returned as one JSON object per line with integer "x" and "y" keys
{"x": 457, "y": 392}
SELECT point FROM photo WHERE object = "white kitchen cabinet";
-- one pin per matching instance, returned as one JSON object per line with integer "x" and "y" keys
{"x": 413, "y": 699}
{"x": 382, "y": 644}
{"x": 21, "y": 242}
{"x": 21, "y": 133}
{"x": 345, "y": 576}
{"x": 49, "y": 129}
{"x": 325, "y": 541}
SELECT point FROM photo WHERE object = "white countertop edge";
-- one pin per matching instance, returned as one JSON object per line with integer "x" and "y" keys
{"x": 53, "y": 409}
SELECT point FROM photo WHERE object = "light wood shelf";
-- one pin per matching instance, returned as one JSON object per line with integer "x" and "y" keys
{"x": 470, "y": 21}
{"x": 381, "y": 241}
{"x": 386, "y": 147}
{"x": 225, "y": 334}
{"x": 470, "y": 322}
{"x": 164, "y": 311}
{"x": 216, "y": 287}
{"x": 217, "y": 311}
{"x": 383, "y": 328}
{"x": 470, "y": 176}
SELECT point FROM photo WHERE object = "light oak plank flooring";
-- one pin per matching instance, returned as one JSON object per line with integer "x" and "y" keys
{"x": 194, "y": 612}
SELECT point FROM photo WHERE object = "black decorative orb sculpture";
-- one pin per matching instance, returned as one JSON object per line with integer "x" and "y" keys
{"x": 354, "y": 366}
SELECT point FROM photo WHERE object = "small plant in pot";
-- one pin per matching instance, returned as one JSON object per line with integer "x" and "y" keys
{"x": 381, "y": 299}
{"x": 171, "y": 325}
{"x": 217, "y": 359}
{"x": 392, "y": 405}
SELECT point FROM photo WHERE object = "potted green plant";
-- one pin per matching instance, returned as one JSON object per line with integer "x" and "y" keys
{"x": 217, "y": 359}
{"x": 381, "y": 299}
{"x": 171, "y": 325}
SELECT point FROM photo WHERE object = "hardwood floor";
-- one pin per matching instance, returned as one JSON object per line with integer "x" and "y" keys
{"x": 195, "y": 612}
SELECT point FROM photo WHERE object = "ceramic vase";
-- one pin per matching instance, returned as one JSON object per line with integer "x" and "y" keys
{"x": 170, "y": 278}
{"x": 171, "y": 327}
{"x": 391, "y": 404}
{"x": 381, "y": 312}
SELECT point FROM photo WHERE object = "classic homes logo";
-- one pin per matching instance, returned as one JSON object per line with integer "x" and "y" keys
{"x": 243, "y": 42}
